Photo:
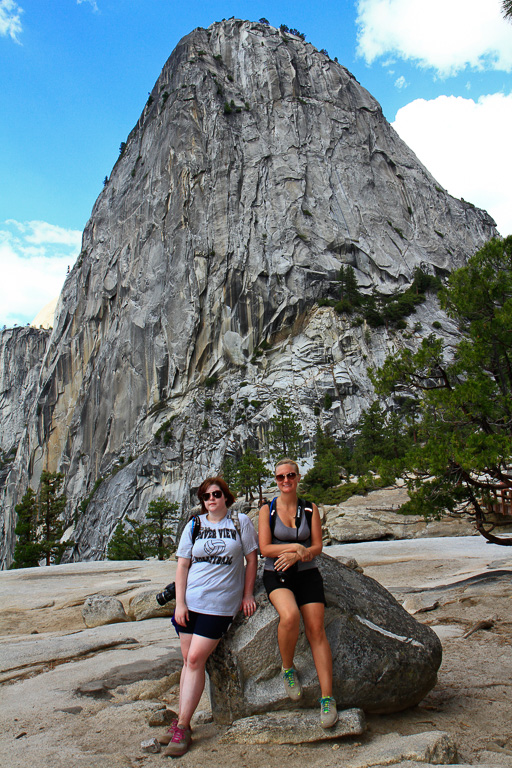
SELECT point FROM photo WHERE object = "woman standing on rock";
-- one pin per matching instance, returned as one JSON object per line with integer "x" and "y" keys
{"x": 212, "y": 584}
{"x": 290, "y": 535}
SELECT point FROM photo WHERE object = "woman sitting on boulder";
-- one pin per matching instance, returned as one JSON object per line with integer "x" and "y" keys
{"x": 290, "y": 535}
{"x": 212, "y": 584}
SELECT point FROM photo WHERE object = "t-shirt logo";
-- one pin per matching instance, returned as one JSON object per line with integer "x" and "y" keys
{"x": 214, "y": 546}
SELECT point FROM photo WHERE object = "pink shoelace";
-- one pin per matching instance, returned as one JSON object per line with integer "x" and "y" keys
{"x": 179, "y": 734}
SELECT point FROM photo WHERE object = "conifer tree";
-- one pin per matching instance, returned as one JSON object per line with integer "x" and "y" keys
{"x": 285, "y": 436}
{"x": 462, "y": 459}
{"x": 138, "y": 540}
{"x": 50, "y": 526}
{"x": 161, "y": 512}
{"x": 251, "y": 471}
{"x": 26, "y": 551}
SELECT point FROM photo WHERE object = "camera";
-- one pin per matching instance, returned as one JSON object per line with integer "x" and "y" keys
{"x": 167, "y": 594}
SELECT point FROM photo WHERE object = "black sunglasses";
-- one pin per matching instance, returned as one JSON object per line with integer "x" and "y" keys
{"x": 289, "y": 476}
{"x": 213, "y": 494}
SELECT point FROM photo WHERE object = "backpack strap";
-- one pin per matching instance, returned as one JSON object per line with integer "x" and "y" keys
{"x": 236, "y": 521}
{"x": 303, "y": 508}
{"x": 196, "y": 527}
{"x": 273, "y": 513}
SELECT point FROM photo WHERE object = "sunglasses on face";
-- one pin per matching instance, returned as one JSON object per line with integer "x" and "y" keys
{"x": 288, "y": 476}
{"x": 213, "y": 494}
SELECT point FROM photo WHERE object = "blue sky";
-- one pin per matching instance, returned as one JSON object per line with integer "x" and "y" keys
{"x": 75, "y": 75}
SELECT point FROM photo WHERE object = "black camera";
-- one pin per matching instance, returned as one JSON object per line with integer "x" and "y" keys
{"x": 167, "y": 594}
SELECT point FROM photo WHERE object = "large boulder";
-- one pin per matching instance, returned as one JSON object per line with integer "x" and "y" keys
{"x": 383, "y": 659}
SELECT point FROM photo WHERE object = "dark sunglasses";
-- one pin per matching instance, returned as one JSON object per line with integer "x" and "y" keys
{"x": 213, "y": 494}
{"x": 289, "y": 476}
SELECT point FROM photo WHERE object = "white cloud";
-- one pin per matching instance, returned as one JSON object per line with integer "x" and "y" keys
{"x": 401, "y": 82}
{"x": 466, "y": 146}
{"x": 34, "y": 258}
{"x": 447, "y": 35}
{"x": 92, "y": 3}
{"x": 10, "y": 19}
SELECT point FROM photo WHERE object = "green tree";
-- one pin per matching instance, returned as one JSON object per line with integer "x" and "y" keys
{"x": 52, "y": 503}
{"x": 506, "y": 7}
{"x": 140, "y": 539}
{"x": 251, "y": 470}
{"x": 285, "y": 435}
{"x": 463, "y": 457}
{"x": 26, "y": 550}
{"x": 325, "y": 473}
{"x": 229, "y": 472}
{"x": 350, "y": 296}
{"x": 129, "y": 543}
{"x": 161, "y": 512}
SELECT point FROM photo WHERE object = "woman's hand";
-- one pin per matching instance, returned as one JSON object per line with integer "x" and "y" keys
{"x": 286, "y": 560}
{"x": 181, "y": 614}
{"x": 248, "y": 605}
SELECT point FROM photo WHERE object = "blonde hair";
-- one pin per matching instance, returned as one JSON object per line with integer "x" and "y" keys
{"x": 286, "y": 460}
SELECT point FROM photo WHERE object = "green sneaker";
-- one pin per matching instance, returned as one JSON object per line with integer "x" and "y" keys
{"x": 328, "y": 712}
{"x": 291, "y": 683}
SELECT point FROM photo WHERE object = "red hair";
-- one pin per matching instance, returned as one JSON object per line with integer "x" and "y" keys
{"x": 230, "y": 499}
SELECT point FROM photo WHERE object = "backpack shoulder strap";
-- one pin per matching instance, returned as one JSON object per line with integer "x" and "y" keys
{"x": 305, "y": 507}
{"x": 272, "y": 514}
{"x": 236, "y": 521}
{"x": 196, "y": 527}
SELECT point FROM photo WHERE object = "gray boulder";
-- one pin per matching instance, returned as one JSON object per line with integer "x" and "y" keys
{"x": 144, "y": 605}
{"x": 383, "y": 659}
{"x": 103, "y": 609}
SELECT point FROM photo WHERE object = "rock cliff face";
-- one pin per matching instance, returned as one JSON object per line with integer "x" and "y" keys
{"x": 257, "y": 168}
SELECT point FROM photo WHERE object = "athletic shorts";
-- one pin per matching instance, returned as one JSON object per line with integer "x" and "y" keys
{"x": 307, "y": 586}
{"x": 204, "y": 624}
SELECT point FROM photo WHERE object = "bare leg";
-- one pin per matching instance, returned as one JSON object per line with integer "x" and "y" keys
{"x": 285, "y": 604}
{"x": 195, "y": 649}
{"x": 313, "y": 615}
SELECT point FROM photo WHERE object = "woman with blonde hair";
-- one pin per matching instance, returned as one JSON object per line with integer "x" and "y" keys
{"x": 290, "y": 536}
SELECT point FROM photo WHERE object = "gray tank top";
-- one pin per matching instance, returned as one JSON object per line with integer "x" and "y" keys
{"x": 283, "y": 533}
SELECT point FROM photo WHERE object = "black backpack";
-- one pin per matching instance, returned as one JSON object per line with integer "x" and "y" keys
{"x": 196, "y": 524}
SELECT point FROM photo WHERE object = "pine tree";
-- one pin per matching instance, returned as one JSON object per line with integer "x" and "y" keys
{"x": 285, "y": 436}
{"x": 161, "y": 512}
{"x": 325, "y": 472}
{"x": 138, "y": 540}
{"x": 50, "y": 526}
{"x": 462, "y": 459}
{"x": 131, "y": 543}
{"x": 251, "y": 471}
{"x": 26, "y": 551}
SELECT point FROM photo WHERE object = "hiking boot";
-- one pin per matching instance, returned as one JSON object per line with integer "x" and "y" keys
{"x": 179, "y": 743}
{"x": 167, "y": 735}
{"x": 328, "y": 712}
{"x": 291, "y": 683}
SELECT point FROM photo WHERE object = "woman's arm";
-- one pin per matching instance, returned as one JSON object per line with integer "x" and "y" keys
{"x": 181, "y": 610}
{"x": 286, "y": 554}
{"x": 268, "y": 549}
{"x": 305, "y": 554}
{"x": 316, "y": 545}
{"x": 251, "y": 566}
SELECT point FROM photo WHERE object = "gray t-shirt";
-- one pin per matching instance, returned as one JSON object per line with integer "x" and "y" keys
{"x": 215, "y": 582}
{"x": 284, "y": 534}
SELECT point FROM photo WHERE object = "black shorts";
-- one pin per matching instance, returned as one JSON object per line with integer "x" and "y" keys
{"x": 204, "y": 624}
{"x": 307, "y": 586}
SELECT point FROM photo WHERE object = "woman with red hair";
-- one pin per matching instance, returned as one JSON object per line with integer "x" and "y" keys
{"x": 215, "y": 579}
